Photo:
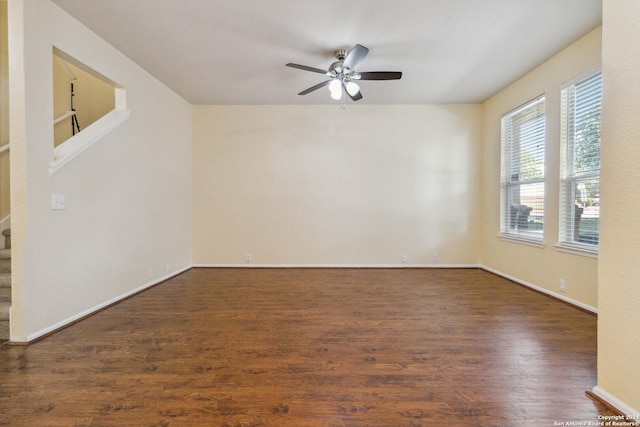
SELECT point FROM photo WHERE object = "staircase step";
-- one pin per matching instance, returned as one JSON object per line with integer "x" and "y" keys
{"x": 5, "y": 266}
{"x": 5, "y": 287}
{"x": 4, "y": 321}
{"x": 7, "y": 238}
{"x": 4, "y": 330}
{"x": 5, "y": 260}
{"x": 4, "y": 310}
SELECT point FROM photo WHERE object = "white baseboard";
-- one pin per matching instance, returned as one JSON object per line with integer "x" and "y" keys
{"x": 252, "y": 265}
{"x": 491, "y": 270}
{"x": 62, "y": 324}
{"x": 542, "y": 290}
{"x": 70, "y": 320}
{"x": 616, "y": 403}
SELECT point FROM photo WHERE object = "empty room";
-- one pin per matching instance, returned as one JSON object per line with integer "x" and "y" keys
{"x": 365, "y": 213}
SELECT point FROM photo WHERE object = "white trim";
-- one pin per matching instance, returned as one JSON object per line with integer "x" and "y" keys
{"x": 614, "y": 401}
{"x": 5, "y": 147}
{"x": 542, "y": 290}
{"x": 95, "y": 309}
{"x": 75, "y": 145}
{"x": 251, "y": 265}
{"x": 520, "y": 239}
{"x": 117, "y": 299}
{"x": 577, "y": 250}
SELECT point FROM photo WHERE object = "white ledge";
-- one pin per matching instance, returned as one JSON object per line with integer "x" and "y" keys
{"x": 75, "y": 145}
{"x": 590, "y": 252}
{"x": 521, "y": 240}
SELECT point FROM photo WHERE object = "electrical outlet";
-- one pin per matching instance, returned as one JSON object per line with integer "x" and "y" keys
{"x": 434, "y": 258}
{"x": 248, "y": 258}
{"x": 57, "y": 202}
{"x": 563, "y": 285}
{"x": 404, "y": 258}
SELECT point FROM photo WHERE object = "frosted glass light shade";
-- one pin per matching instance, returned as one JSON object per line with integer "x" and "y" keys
{"x": 352, "y": 88}
{"x": 335, "y": 87}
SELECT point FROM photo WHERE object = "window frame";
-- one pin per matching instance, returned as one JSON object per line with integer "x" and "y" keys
{"x": 569, "y": 178}
{"x": 508, "y": 230}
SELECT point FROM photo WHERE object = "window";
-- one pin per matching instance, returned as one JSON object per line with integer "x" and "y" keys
{"x": 522, "y": 172}
{"x": 580, "y": 164}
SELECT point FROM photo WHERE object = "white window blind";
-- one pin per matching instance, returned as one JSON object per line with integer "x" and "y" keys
{"x": 522, "y": 172}
{"x": 580, "y": 164}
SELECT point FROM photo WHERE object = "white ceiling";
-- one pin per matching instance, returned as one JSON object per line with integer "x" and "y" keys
{"x": 235, "y": 51}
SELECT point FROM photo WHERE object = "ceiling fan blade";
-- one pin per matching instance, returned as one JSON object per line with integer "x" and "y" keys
{"x": 307, "y": 68}
{"x": 381, "y": 75}
{"x": 356, "y": 97}
{"x": 355, "y": 56}
{"x": 315, "y": 87}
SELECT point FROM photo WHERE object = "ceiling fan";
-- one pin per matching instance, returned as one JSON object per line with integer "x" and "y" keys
{"x": 343, "y": 75}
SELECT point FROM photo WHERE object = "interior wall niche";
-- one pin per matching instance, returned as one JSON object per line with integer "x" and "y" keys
{"x": 81, "y": 96}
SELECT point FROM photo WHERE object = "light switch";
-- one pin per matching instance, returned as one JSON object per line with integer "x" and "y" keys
{"x": 57, "y": 202}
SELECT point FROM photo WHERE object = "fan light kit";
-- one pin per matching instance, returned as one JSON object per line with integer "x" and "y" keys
{"x": 342, "y": 74}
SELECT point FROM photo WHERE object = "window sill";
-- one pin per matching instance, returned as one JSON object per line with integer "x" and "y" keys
{"x": 75, "y": 145}
{"x": 522, "y": 240}
{"x": 580, "y": 250}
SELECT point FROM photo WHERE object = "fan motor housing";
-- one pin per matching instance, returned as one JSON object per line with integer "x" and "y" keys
{"x": 336, "y": 67}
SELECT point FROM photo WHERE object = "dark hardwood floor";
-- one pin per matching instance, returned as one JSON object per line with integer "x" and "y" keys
{"x": 312, "y": 347}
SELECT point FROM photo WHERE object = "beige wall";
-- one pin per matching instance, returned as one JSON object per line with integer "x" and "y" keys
{"x": 127, "y": 222}
{"x": 619, "y": 266}
{"x": 307, "y": 185}
{"x": 541, "y": 267}
{"x": 4, "y": 112}
{"x": 317, "y": 185}
{"x": 93, "y": 98}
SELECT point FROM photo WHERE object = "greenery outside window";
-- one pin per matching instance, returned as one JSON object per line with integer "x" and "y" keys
{"x": 523, "y": 172}
{"x": 580, "y": 164}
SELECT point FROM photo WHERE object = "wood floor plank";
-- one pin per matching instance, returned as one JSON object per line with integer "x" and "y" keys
{"x": 312, "y": 347}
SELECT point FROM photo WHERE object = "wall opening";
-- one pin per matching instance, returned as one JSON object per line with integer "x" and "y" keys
{"x": 80, "y": 97}
{"x": 86, "y": 106}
